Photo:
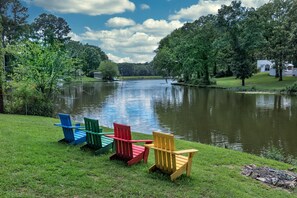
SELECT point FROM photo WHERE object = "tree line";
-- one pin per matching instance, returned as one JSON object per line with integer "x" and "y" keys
{"x": 34, "y": 57}
{"x": 230, "y": 42}
{"x": 137, "y": 69}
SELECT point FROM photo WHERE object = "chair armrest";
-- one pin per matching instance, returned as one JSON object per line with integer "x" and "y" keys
{"x": 107, "y": 133}
{"x": 131, "y": 141}
{"x": 96, "y": 133}
{"x": 145, "y": 141}
{"x": 185, "y": 151}
{"x": 149, "y": 145}
{"x": 68, "y": 127}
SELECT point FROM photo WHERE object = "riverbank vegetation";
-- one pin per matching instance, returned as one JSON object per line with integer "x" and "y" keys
{"x": 34, "y": 164}
{"x": 36, "y": 58}
{"x": 230, "y": 42}
{"x": 258, "y": 82}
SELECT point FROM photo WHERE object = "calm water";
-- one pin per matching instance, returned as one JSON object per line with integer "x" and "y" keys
{"x": 245, "y": 122}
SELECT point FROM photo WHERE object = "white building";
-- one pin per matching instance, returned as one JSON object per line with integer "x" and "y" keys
{"x": 264, "y": 65}
{"x": 268, "y": 66}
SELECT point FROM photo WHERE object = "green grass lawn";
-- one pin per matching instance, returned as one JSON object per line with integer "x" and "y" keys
{"x": 260, "y": 81}
{"x": 34, "y": 164}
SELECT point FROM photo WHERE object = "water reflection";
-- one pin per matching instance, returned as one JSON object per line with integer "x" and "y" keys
{"x": 239, "y": 121}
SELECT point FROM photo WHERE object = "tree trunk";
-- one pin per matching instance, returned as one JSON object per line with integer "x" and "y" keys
{"x": 242, "y": 82}
{"x": 2, "y": 66}
{"x": 281, "y": 74}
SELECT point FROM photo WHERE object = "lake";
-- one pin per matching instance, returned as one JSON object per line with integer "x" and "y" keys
{"x": 244, "y": 122}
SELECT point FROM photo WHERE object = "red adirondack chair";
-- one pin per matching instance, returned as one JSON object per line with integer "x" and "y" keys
{"x": 125, "y": 148}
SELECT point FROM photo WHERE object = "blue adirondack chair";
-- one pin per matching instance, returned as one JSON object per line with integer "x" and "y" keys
{"x": 72, "y": 134}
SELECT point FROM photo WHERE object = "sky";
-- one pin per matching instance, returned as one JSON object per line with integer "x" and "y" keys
{"x": 127, "y": 30}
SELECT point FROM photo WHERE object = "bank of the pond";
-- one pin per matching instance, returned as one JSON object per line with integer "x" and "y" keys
{"x": 259, "y": 83}
{"x": 140, "y": 77}
{"x": 89, "y": 79}
{"x": 34, "y": 164}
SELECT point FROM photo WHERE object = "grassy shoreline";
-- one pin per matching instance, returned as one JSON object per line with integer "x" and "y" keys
{"x": 34, "y": 164}
{"x": 258, "y": 83}
{"x": 89, "y": 79}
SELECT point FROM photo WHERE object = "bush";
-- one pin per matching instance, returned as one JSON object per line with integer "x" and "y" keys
{"x": 201, "y": 81}
{"x": 24, "y": 99}
{"x": 222, "y": 73}
{"x": 291, "y": 89}
{"x": 109, "y": 70}
{"x": 279, "y": 155}
{"x": 274, "y": 153}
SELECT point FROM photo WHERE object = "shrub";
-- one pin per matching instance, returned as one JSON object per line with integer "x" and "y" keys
{"x": 291, "y": 89}
{"x": 279, "y": 155}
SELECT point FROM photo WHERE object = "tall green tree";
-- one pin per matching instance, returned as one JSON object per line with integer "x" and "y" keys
{"x": 49, "y": 29}
{"x": 2, "y": 63}
{"x": 278, "y": 31}
{"x": 292, "y": 18}
{"x": 13, "y": 22}
{"x": 202, "y": 53}
{"x": 232, "y": 20}
{"x": 93, "y": 56}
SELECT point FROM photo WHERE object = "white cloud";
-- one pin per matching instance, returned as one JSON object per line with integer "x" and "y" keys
{"x": 253, "y": 3}
{"x": 205, "y": 7}
{"x": 88, "y": 7}
{"x": 117, "y": 59}
{"x": 145, "y": 7}
{"x": 135, "y": 43}
{"x": 74, "y": 36}
{"x": 119, "y": 22}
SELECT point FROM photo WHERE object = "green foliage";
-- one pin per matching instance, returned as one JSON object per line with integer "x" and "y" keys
{"x": 14, "y": 16}
{"x": 230, "y": 41}
{"x": 291, "y": 89}
{"x": 109, "y": 70}
{"x": 136, "y": 69}
{"x": 279, "y": 155}
{"x": 35, "y": 78}
{"x": 50, "y": 29}
{"x": 274, "y": 153}
{"x": 87, "y": 57}
{"x": 93, "y": 56}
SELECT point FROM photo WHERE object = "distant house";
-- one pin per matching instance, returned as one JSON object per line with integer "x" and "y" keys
{"x": 269, "y": 66}
{"x": 264, "y": 65}
{"x": 98, "y": 75}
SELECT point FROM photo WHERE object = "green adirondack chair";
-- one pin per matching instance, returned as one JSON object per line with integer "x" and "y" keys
{"x": 95, "y": 138}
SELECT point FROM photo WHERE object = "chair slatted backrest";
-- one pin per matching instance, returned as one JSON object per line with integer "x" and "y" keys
{"x": 93, "y": 126}
{"x": 66, "y": 121}
{"x": 123, "y": 148}
{"x": 164, "y": 145}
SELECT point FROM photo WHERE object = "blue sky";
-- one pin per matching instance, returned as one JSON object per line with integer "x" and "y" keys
{"x": 127, "y": 30}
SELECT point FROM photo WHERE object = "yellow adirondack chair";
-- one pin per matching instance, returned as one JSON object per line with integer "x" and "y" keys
{"x": 167, "y": 159}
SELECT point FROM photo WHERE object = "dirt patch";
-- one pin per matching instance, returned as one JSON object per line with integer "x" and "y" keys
{"x": 279, "y": 178}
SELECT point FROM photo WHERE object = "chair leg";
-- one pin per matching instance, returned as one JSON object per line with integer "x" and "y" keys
{"x": 145, "y": 155}
{"x": 103, "y": 150}
{"x": 153, "y": 168}
{"x": 189, "y": 164}
{"x": 178, "y": 172}
{"x": 113, "y": 157}
{"x": 135, "y": 160}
